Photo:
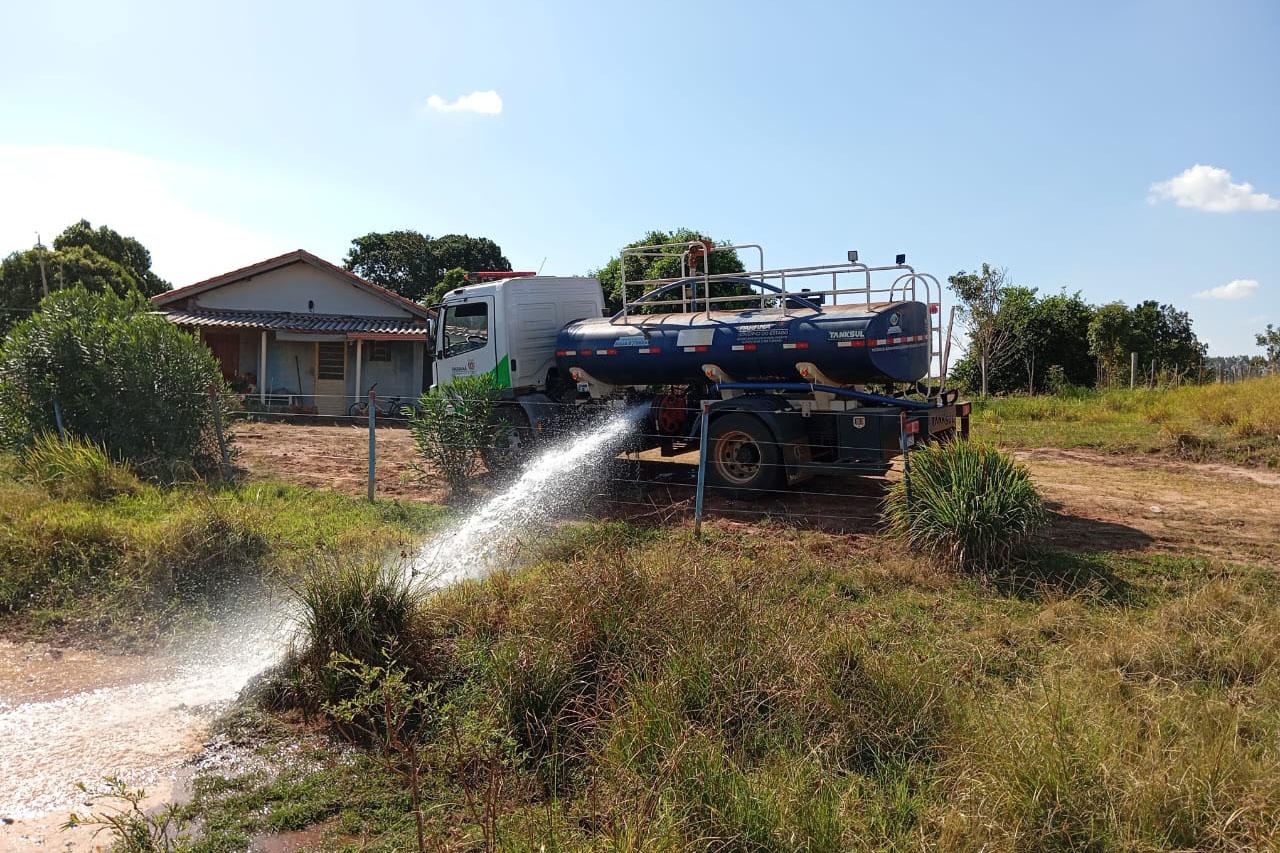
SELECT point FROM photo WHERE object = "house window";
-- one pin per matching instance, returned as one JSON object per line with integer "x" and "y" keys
{"x": 379, "y": 351}
{"x": 333, "y": 360}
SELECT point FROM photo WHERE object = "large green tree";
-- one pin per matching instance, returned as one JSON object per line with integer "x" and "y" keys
{"x": 639, "y": 269}
{"x": 413, "y": 264}
{"x": 125, "y": 251}
{"x": 97, "y": 259}
{"x": 1161, "y": 335}
{"x": 1043, "y": 332}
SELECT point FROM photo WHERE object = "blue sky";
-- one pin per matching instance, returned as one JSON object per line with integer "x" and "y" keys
{"x": 1018, "y": 133}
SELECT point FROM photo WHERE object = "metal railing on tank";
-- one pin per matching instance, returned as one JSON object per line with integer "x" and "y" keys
{"x": 782, "y": 289}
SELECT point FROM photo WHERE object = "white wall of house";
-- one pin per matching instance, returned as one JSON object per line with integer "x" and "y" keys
{"x": 399, "y": 377}
{"x": 299, "y": 288}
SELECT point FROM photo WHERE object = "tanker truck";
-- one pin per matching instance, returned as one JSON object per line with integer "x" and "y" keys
{"x": 793, "y": 371}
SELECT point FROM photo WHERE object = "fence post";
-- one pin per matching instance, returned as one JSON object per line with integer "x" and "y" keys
{"x": 57, "y": 419}
{"x": 373, "y": 442}
{"x": 1133, "y": 369}
{"x": 906, "y": 457}
{"x": 702, "y": 468}
{"x": 215, "y": 404}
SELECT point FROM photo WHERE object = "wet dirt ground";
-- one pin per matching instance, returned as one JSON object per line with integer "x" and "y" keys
{"x": 1101, "y": 502}
{"x": 70, "y": 716}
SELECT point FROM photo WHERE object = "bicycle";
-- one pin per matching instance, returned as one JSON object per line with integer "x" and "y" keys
{"x": 389, "y": 407}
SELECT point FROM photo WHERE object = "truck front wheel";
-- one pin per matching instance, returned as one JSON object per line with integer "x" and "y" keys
{"x": 510, "y": 440}
{"x": 743, "y": 457}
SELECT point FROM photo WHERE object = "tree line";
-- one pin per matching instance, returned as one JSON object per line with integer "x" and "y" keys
{"x": 1022, "y": 341}
{"x": 1019, "y": 339}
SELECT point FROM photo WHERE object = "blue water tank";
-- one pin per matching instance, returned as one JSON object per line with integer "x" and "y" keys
{"x": 853, "y": 345}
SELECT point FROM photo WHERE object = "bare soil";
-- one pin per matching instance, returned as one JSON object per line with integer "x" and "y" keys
{"x": 1101, "y": 502}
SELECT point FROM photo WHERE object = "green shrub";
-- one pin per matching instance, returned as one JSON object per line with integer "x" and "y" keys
{"x": 76, "y": 469}
{"x": 126, "y": 379}
{"x": 968, "y": 503}
{"x": 358, "y": 610}
{"x": 452, "y": 424}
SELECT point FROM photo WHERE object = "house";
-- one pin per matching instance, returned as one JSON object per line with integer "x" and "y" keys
{"x": 301, "y": 333}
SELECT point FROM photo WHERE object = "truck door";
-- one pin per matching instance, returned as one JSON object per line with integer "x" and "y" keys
{"x": 465, "y": 345}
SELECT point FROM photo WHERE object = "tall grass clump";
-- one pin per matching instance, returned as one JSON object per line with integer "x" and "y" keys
{"x": 967, "y": 503}
{"x": 357, "y": 610}
{"x": 76, "y": 469}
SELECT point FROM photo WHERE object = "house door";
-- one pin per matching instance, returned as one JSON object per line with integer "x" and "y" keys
{"x": 331, "y": 378}
{"x": 226, "y": 349}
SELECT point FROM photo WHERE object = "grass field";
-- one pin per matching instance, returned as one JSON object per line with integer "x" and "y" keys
{"x": 132, "y": 568}
{"x": 777, "y": 690}
{"x": 1238, "y": 422}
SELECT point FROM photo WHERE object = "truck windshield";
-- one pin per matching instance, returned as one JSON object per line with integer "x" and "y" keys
{"x": 465, "y": 328}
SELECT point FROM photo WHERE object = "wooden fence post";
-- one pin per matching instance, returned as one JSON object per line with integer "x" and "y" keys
{"x": 373, "y": 442}
{"x": 215, "y": 405}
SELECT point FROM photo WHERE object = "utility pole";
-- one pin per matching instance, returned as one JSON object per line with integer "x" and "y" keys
{"x": 44, "y": 282}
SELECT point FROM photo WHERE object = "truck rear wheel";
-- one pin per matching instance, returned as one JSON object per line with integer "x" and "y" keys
{"x": 510, "y": 440}
{"x": 743, "y": 457}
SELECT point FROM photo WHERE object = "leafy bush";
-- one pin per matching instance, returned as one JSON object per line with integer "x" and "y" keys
{"x": 452, "y": 424}
{"x": 968, "y": 503}
{"x": 125, "y": 379}
{"x": 76, "y": 468}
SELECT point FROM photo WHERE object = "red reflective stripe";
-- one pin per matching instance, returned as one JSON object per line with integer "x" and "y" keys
{"x": 611, "y": 352}
{"x": 584, "y": 352}
{"x": 802, "y": 345}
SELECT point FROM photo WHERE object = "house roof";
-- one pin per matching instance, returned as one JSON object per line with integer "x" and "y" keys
{"x": 391, "y": 328}
{"x": 299, "y": 256}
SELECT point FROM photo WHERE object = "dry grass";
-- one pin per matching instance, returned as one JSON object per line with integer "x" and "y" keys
{"x": 1238, "y": 422}
{"x": 774, "y": 690}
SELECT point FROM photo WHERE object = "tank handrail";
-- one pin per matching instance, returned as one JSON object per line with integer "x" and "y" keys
{"x": 658, "y": 291}
{"x": 848, "y": 393}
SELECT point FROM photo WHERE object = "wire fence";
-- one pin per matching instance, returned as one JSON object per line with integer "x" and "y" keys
{"x": 646, "y": 471}
{"x": 636, "y": 479}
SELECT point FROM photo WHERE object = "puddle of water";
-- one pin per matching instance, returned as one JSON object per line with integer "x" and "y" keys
{"x": 73, "y": 717}
{"x": 550, "y": 482}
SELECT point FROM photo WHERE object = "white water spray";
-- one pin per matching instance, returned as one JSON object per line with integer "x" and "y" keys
{"x": 472, "y": 547}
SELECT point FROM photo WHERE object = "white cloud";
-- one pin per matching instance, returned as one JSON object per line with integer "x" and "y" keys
{"x": 1240, "y": 288}
{"x": 487, "y": 102}
{"x": 47, "y": 188}
{"x": 1210, "y": 188}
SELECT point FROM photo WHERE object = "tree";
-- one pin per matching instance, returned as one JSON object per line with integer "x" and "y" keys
{"x": 639, "y": 269}
{"x": 98, "y": 259}
{"x": 1269, "y": 339}
{"x": 413, "y": 264}
{"x": 453, "y": 279}
{"x": 125, "y": 251}
{"x": 1061, "y": 328}
{"x": 982, "y": 299}
{"x": 123, "y": 378}
{"x": 1110, "y": 339}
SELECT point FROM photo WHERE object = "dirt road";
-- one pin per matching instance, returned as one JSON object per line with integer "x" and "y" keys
{"x": 1101, "y": 502}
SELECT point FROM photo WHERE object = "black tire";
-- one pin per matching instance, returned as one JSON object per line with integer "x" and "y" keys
{"x": 744, "y": 460}
{"x": 511, "y": 440}
{"x": 358, "y": 409}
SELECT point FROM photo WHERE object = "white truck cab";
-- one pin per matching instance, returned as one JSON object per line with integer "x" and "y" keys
{"x": 508, "y": 327}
